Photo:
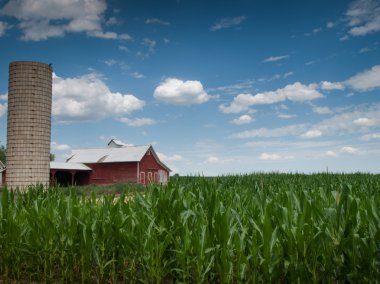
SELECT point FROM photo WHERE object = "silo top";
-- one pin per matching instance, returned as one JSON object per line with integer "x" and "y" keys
{"x": 30, "y": 63}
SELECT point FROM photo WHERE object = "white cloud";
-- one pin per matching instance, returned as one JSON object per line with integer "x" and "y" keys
{"x": 322, "y": 110}
{"x": 110, "y": 62}
{"x": 112, "y": 21}
{"x": 3, "y": 27}
{"x": 155, "y": 21}
{"x": 296, "y": 92}
{"x": 276, "y": 58}
{"x": 173, "y": 158}
{"x": 59, "y": 147}
{"x": 363, "y": 121}
{"x": 343, "y": 123}
{"x": 227, "y": 23}
{"x": 88, "y": 98}
{"x": 366, "y": 80}
{"x": 325, "y": 85}
{"x": 212, "y": 159}
{"x": 123, "y": 48}
{"x": 42, "y": 19}
{"x": 364, "y": 50}
{"x": 349, "y": 150}
{"x": 285, "y": 116}
{"x": 244, "y": 119}
{"x": 312, "y": 134}
{"x": 178, "y": 92}
{"x": 363, "y": 17}
{"x": 137, "y": 75}
{"x": 137, "y": 122}
{"x": 269, "y": 157}
{"x": 330, "y": 24}
{"x": 3, "y": 109}
{"x": 331, "y": 154}
{"x": 291, "y": 130}
{"x": 371, "y": 136}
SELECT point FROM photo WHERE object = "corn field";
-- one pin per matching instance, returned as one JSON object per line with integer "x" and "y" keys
{"x": 259, "y": 228}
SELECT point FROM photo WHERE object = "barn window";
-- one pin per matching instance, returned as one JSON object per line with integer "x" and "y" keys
{"x": 150, "y": 177}
{"x": 142, "y": 177}
{"x": 148, "y": 153}
{"x": 156, "y": 177}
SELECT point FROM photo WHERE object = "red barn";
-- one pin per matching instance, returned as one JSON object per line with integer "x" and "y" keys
{"x": 118, "y": 163}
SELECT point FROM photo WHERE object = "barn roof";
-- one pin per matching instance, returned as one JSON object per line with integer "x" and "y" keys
{"x": 109, "y": 155}
{"x": 69, "y": 166}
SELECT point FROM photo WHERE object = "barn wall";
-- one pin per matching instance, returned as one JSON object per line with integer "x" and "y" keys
{"x": 109, "y": 173}
{"x": 151, "y": 168}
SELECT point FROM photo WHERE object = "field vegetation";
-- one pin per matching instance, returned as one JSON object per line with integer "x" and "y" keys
{"x": 259, "y": 228}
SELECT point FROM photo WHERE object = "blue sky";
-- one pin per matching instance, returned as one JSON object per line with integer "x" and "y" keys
{"x": 234, "y": 87}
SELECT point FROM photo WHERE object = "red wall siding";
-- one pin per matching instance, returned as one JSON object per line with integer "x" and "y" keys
{"x": 149, "y": 164}
{"x": 108, "y": 173}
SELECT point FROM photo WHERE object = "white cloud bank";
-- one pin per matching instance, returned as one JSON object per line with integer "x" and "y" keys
{"x": 88, "y": 98}
{"x": 42, "y": 19}
{"x": 296, "y": 92}
{"x": 178, "y": 92}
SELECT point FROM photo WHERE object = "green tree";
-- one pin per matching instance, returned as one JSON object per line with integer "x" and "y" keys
{"x": 52, "y": 157}
{"x": 3, "y": 157}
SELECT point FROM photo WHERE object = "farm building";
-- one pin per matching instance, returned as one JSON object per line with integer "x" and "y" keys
{"x": 118, "y": 163}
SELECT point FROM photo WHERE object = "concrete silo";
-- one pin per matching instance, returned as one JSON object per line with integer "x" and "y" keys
{"x": 29, "y": 123}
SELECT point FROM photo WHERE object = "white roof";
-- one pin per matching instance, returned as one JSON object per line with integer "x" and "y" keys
{"x": 117, "y": 143}
{"x": 109, "y": 155}
{"x": 69, "y": 166}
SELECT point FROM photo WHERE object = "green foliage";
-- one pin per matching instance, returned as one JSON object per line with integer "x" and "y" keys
{"x": 3, "y": 158}
{"x": 322, "y": 228}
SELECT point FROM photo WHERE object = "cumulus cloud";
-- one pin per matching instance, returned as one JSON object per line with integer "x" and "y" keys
{"x": 331, "y": 154}
{"x": 3, "y": 109}
{"x": 363, "y": 121}
{"x": 275, "y": 58}
{"x": 312, "y": 134}
{"x": 363, "y": 17}
{"x": 296, "y": 92}
{"x": 177, "y": 92}
{"x": 212, "y": 159}
{"x": 290, "y": 130}
{"x": 273, "y": 157}
{"x": 3, "y": 27}
{"x": 89, "y": 98}
{"x": 244, "y": 119}
{"x": 322, "y": 110}
{"x": 349, "y": 150}
{"x": 354, "y": 121}
{"x": 269, "y": 157}
{"x": 371, "y": 136}
{"x": 172, "y": 158}
{"x": 42, "y": 19}
{"x": 366, "y": 80}
{"x": 137, "y": 122}
{"x": 285, "y": 116}
{"x": 325, "y": 85}
{"x": 225, "y": 23}
{"x": 59, "y": 147}
{"x": 155, "y": 21}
